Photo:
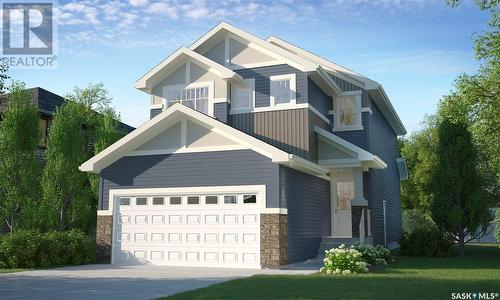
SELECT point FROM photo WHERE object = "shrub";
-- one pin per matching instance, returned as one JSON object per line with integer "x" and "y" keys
{"x": 30, "y": 249}
{"x": 426, "y": 241}
{"x": 374, "y": 255}
{"x": 344, "y": 261}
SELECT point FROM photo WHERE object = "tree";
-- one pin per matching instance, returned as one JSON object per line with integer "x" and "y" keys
{"x": 3, "y": 77}
{"x": 460, "y": 201}
{"x": 419, "y": 152}
{"x": 94, "y": 97}
{"x": 66, "y": 193}
{"x": 19, "y": 164}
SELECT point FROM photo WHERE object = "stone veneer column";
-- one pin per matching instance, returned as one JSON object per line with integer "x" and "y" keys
{"x": 273, "y": 240}
{"x": 104, "y": 235}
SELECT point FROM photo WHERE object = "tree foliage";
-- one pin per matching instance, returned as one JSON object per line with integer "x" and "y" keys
{"x": 19, "y": 165}
{"x": 461, "y": 204}
{"x": 65, "y": 188}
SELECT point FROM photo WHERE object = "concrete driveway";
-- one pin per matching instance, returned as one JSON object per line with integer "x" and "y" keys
{"x": 114, "y": 282}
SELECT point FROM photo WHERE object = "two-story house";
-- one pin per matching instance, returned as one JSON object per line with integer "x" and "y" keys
{"x": 258, "y": 153}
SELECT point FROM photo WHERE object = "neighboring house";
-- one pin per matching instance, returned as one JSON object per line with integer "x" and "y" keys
{"x": 47, "y": 103}
{"x": 258, "y": 153}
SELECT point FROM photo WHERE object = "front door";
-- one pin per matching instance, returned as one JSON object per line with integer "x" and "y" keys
{"x": 341, "y": 214}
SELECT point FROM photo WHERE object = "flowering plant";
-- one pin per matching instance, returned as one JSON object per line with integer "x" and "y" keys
{"x": 344, "y": 261}
{"x": 374, "y": 255}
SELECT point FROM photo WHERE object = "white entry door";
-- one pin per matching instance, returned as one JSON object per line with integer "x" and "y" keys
{"x": 190, "y": 229}
{"x": 342, "y": 216}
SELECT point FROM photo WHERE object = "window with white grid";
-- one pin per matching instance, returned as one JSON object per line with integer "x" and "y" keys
{"x": 196, "y": 98}
{"x": 282, "y": 89}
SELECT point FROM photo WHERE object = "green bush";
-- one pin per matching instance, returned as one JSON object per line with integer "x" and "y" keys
{"x": 426, "y": 241}
{"x": 374, "y": 255}
{"x": 343, "y": 261}
{"x": 30, "y": 249}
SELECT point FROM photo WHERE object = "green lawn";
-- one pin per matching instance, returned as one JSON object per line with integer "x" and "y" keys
{"x": 12, "y": 270}
{"x": 407, "y": 278}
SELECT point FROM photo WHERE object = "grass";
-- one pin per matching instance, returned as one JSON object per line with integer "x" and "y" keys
{"x": 12, "y": 270}
{"x": 407, "y": 278}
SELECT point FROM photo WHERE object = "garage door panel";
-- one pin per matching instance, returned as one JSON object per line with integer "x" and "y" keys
{"x": 225, "y": 234}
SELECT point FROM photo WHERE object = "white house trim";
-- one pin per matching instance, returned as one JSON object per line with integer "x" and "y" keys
{"x": 258, "y": 189}
{"x": 364, "y": 158}
{"x": 293, "y": 89}
{"x": 147, "y": 82}
{"x": 252, "y": 41}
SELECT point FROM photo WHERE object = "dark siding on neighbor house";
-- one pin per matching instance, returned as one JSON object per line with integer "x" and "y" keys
{"x": 240, "y": 167}
{"x": 307, "y": 198}
{"x": 221, "y": 111}
{"x": 384, "y": 183}
{"x": 262, "y": 83}
{"x": 284, "y": 129}
{"x": 318, "y": 99}
{"x": 47, "y": 101}
{"x": 154, "y": 112}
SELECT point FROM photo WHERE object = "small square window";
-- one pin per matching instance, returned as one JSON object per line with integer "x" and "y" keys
{"x": 229, "y": 199}
{"x": 211, "y": 200}
{"x": 158, "y": 200}
{"x": 194, "y": 200}
{"x": 141, "y": 201}
{"x": 124, "y": 201}
{"x": 247, "y": 199}
{"x": 175, "y": 200}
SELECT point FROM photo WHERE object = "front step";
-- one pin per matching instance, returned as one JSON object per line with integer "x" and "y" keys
{"x": 328, "y": 243}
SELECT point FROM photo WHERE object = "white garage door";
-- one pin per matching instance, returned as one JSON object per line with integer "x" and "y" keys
{"x": 195, "y": 229}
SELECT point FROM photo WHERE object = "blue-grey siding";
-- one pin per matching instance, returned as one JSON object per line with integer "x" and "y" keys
{"x": 240, "y": 167}
{"x": 262, "y": 82}
{"x": 221, "y": 111}
{"x": 307, "y": 198}
{"x": 357, "y": 137}
{"x": 318, "y": 99}
{"x": 154, "y": 112}
{"x": 345, "y": 86}
{"x": 384, "y": 183}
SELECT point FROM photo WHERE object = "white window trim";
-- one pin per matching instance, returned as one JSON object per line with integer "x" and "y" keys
{"x": 250, "y": 83}
{"x": 359, "y": 117}
{"x": 209, "y": 84}
{"x": 293, "y": 88}
{"x": 259, "y": 190}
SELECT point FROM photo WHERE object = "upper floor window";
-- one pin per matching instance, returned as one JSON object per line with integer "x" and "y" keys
{"x": 242, "y": 94}
{"x": 194, "y": 97}
{"x": 347, "y": 114}
{"x": 283, "y": 89}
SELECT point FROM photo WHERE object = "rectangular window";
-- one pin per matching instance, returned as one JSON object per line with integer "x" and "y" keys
{"x": 347, "y": 114}
{"x": 249, "y": 199}
{"x": 242, "y": 94}
{"x": 229, "y": 199}
{"x": 43, "y": 131}
{"x": 347, "y": 111}
{"x": 175, "y": 200}
{"x": 124, "y": 201}
{"x": 141, "y": 201}
{"x": 196, "y": 98}
{"x": 211, "y": 200}
{"x": 194, "y": 200}
{"x": 283, "y": 89}
{"x": 158, "y": 200}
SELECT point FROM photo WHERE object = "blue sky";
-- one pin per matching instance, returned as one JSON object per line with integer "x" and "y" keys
{"x": 415, "y": 49}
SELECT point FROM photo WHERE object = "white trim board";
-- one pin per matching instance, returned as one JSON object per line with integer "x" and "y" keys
{"x": 259, "y": 189}
{"x": 148, "y": 80}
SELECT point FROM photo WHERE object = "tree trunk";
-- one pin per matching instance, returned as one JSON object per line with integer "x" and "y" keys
{"x": 461, "y": 242}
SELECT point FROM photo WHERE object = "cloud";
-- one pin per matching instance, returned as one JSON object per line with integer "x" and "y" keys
{"x": 138, "y": 2}
{"x": 418, "y": 62}
{"x": 78, "y": 13}
{"x": 162, "y": 8}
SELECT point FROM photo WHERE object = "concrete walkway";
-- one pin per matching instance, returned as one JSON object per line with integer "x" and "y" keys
{"x": 114, "y": 282}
